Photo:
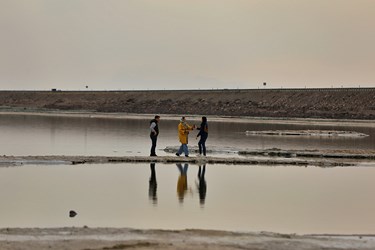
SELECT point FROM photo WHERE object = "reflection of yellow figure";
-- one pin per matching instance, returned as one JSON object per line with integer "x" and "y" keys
{"x": 182, "y": 181}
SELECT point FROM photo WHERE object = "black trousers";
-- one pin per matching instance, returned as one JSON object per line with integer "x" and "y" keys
{"x": 202, "y": 145}
{"x": 154, "y": 138}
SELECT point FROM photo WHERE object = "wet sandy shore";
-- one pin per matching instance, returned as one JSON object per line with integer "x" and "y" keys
{"x": 274, "y": 156}
{"x": 62, "y": 159}
{"x": 111, "y": 238}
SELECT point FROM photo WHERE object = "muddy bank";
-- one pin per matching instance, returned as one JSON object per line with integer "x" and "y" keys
{"x": 271, "y": 156}
{"x": 22, "y": 160}
{"x": 111, "y": 238}
{"x": 303, "y": 103}
{"x": 321, "y": 133}
{"x": 338, "y": 154}
{"x": 287, "y": 153}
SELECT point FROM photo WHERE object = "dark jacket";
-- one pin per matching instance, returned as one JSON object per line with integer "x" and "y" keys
{"x": 156, "y": 128}
{"x": 203, "y": 130}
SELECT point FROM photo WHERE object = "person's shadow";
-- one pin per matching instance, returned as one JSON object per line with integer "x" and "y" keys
{"x": 153, "y": 185}
{"x": 202, "y": 185}
{"x": 182, "y": 186}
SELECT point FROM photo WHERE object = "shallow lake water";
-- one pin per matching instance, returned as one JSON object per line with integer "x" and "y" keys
{"x": 284, "y": 199}
{"x": 50, "y": 135}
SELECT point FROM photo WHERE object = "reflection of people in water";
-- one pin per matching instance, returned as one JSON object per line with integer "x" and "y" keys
{"x": 202, "y": 185}
{"x": 153, "y": 185}
{"x": 182, "y": 181}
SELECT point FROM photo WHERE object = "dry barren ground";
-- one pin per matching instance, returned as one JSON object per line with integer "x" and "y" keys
{"x": 345, "y": 103}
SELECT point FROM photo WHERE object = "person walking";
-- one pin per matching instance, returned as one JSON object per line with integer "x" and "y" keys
{"x": 154, "y": 132}
{"x": 203, "y": 133}
{"x": 183, "y": 133}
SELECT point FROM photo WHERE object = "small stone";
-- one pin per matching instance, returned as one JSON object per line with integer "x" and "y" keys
{"x": 72, "y": 213}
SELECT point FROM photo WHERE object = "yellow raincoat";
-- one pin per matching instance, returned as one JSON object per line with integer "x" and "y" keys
{"x": 183, "y": 132}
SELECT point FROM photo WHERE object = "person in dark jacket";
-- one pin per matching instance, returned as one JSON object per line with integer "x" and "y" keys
{"x": 154, "y": 132}
{"x": 203, "y": 133}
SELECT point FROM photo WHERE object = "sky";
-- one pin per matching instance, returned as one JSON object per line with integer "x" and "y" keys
{"x": 186, "y": 44}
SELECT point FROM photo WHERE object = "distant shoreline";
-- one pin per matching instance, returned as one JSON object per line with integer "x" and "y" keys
{"x": 323, "y": 103}
{"x": 198, "y": 90}
{"x": 213, "y": 118}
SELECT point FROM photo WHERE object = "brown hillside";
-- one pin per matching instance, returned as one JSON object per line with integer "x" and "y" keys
{"x": 311, "y": 103}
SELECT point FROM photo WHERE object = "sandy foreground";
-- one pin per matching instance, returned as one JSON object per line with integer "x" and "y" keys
{"x": 111, "y": 238}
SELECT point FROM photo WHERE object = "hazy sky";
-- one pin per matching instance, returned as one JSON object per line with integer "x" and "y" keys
{"x": 175, "y": 44}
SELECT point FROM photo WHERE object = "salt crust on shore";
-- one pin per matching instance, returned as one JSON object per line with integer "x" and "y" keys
{"x": 325, "y": 133}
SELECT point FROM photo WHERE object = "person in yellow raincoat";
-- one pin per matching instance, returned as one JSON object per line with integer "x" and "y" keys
{"x": 183, "y": 134}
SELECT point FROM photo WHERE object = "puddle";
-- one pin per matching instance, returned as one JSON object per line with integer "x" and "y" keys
{"x": 285, "y": 199}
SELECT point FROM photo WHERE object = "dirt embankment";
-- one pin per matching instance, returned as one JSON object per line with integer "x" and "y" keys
{"x": 302, "y": 103}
